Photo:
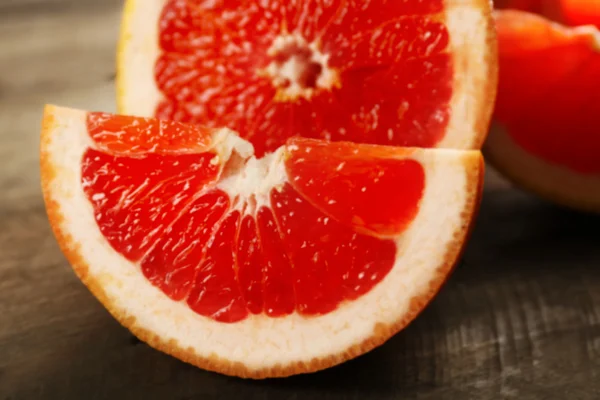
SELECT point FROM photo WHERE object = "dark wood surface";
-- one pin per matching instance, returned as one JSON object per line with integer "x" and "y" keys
{"x": 519, "y": 319}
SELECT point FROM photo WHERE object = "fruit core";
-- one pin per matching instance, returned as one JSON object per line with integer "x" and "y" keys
{"x": 298, "y": 69}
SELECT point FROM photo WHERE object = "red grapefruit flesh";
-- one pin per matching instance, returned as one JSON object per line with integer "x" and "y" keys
{"x": 569, "y": 12}
{"x": 253, "y": 267}
{"x": 404, "y": 73}
{"x": 161, "y": 193}
{"x": 581, "y": 12}
{"x": 548, "y": 8}
{"x": 547, "y": 108}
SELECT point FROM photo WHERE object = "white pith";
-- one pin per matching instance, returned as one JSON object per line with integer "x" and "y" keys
{"x": 290, "y": 71}
{"x": 469, "y": 31}
{"x": 590, "y": 31}
{"x": 249, "y": 177}
{"x": 469, "y": 39}
{"x": 552, "y": 181}
{"x": 260, "y": 342}
{"x": 255, "y": 180}
{"x": 226, "y": 142}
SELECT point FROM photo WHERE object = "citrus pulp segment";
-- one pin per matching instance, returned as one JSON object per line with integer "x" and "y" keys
{"x": 581, "y": 12}
{"x": 285, "y": 278}
{"x": 545, "y": 135}
{"x": 401, "y": 73}
{"x": 548, "y": 8}
{"x": 568, "y": 12}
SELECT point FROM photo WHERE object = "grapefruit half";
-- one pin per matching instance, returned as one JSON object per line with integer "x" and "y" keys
{"x": 545, "y": 134}
{"x": 254, "y": 267}
{"x": 401, "y": 73}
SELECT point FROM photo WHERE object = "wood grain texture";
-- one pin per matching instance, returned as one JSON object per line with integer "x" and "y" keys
{"x": 519, "y": 319}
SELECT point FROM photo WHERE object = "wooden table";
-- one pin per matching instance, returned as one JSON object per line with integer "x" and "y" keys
{"x": 519, "y": 319}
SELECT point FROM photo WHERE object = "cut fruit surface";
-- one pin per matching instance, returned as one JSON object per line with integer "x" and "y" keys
{"x": 254, "y": 267}
{"x": 581, "y": 12}
{"x": 548, "y": 8}
{"x": 545, "y": 135}
{"x": 568, "y": 12}
{"x": 403, "y": 73}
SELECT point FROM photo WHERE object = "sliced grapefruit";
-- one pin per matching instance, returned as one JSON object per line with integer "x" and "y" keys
{"x": 545, "y": 136}
{"x": 402, "y": 73}
{"x": 255, "y": 267}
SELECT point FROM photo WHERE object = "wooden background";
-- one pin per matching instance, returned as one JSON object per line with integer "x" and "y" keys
{"x": 520, "y": 318}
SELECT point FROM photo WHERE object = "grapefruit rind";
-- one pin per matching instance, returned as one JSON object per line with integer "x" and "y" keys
{"x": 472, "y": 42}
{"x": 260, "y": 347}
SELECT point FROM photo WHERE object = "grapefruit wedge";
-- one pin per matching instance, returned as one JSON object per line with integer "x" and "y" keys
{"x": 545, "y": 135}
{"x": 254, "y": 267}
{"x": 401, "y": 73}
